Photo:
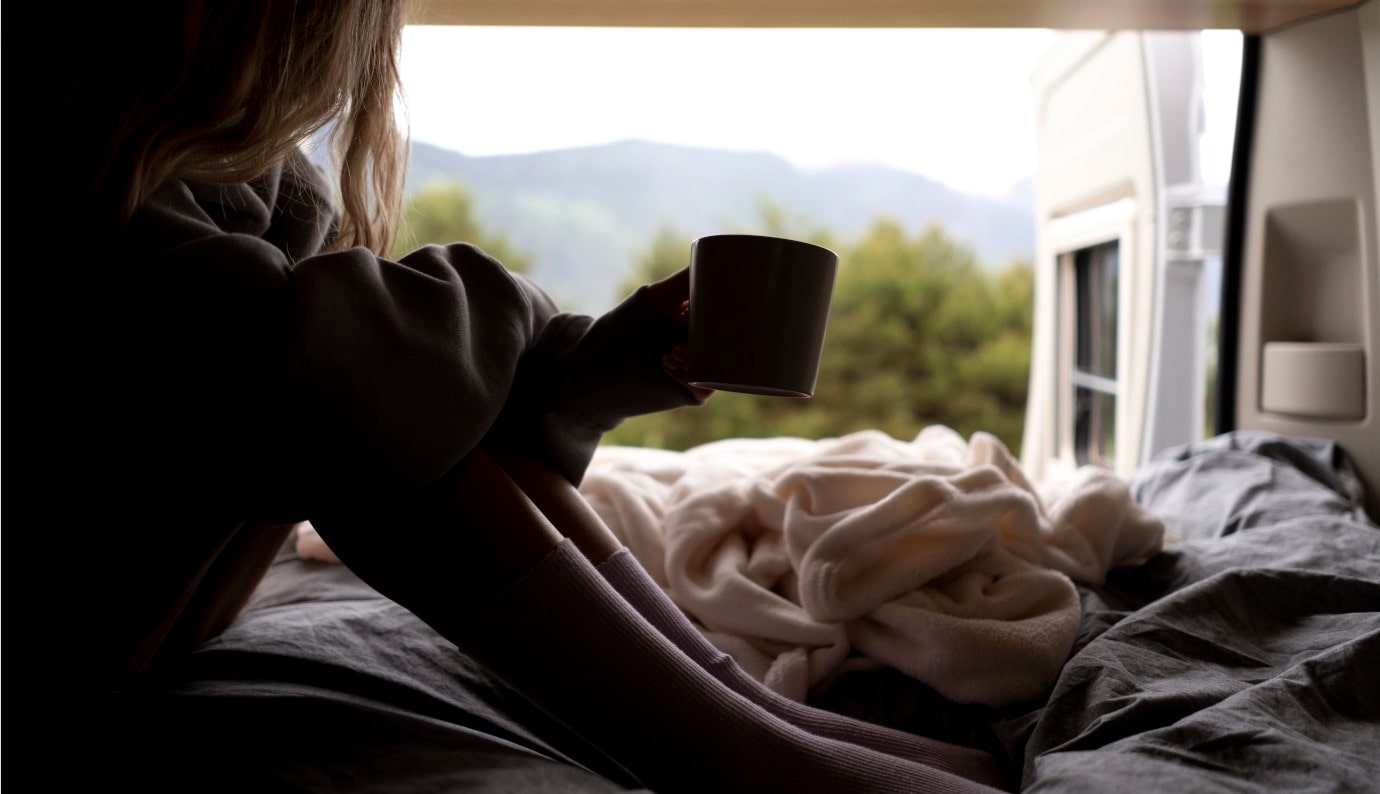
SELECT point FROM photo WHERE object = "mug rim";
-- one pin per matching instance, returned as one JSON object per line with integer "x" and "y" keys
{"x": 773, "y": 237}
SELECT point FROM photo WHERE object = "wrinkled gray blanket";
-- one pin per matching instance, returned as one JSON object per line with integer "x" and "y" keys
{"x": 1244, "y": 657}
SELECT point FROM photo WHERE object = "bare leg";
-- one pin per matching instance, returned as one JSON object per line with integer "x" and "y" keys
{"x": 563, "y": 504}
{"x": 228, "y": 583}
{"x": 447, "y": 550}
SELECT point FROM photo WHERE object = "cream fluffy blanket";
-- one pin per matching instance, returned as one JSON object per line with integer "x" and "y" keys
{"x": 936, "y": 557}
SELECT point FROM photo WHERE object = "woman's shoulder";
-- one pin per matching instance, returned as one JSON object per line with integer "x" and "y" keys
{"x": 288, "y": 203}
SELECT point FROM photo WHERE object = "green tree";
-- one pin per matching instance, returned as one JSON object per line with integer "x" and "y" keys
{"x": 919, "y": 333}
{"x": 443, "y": 212}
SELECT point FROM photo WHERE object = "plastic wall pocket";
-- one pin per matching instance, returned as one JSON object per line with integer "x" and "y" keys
{"x": 1319, "y": 380}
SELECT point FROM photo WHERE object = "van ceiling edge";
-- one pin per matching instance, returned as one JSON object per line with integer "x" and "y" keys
{"x": 1249, "y": 16}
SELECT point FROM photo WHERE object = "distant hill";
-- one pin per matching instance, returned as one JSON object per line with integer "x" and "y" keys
{"x": 586, "y": 213}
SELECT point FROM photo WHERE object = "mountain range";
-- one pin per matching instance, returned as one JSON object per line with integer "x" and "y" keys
{"x": 585, "y": 214}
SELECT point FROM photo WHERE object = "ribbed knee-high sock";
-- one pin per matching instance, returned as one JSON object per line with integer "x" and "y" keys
{"x": 565, "y": 639}
{"x": 626, "y": 574}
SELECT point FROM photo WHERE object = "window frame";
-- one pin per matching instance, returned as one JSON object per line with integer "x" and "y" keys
{"x": 1112, "y": 222}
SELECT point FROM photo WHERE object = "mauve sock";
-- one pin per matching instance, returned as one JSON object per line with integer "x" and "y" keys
{"x": 627, "y": 575}
{"x": 565, "y": 639}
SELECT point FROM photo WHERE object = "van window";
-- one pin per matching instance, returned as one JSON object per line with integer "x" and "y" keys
{"x": 1093, "y": 378}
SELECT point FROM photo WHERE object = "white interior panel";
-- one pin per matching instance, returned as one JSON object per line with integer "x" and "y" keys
{"x": 1310, "y": 246}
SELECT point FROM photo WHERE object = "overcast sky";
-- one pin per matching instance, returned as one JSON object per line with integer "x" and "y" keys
{"x": 952, "y": 105}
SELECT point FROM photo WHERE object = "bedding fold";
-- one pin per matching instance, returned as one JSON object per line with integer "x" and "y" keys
{"x": 936, "y": 557}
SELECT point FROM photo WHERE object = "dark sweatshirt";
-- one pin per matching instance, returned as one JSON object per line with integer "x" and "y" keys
{"x": 228, "y": 377}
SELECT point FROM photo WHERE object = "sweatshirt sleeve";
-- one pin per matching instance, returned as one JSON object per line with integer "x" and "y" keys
{"x": 584, "y": 377}
{"x": 574, "y": 377}
{"x": 277, "y": 384}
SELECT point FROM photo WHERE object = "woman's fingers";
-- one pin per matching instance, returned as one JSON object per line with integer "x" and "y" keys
{"x": 677, "y": 365}
{"x": 669, "y": 295}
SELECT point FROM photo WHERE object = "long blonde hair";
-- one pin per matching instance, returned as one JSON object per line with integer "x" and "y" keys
{"x": 221, "y": 91}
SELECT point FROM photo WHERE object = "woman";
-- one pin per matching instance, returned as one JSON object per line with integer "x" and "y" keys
{"x": 237, "y": 355}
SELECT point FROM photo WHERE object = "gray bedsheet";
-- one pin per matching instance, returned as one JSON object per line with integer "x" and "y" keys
{"x": 1246, "y": 657}
{"x": 1242, "y": 658}
{"x": 323, "y": 685}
